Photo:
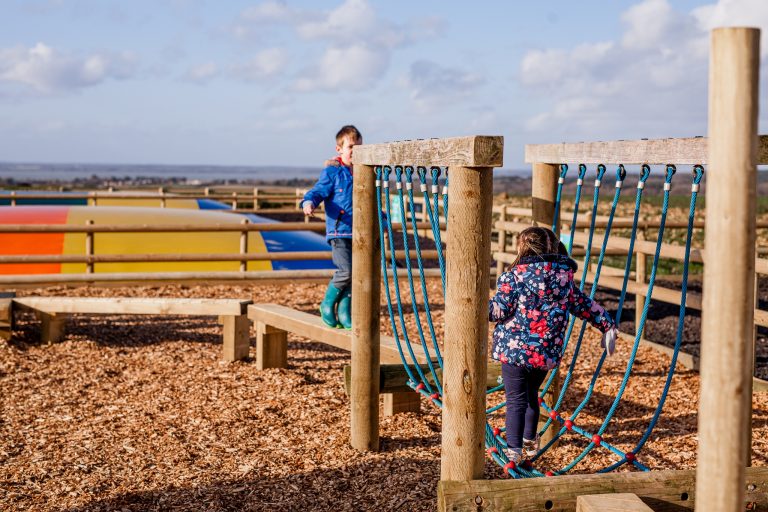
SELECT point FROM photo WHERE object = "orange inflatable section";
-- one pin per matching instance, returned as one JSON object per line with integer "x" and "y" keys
{"x": 33, "y": 243}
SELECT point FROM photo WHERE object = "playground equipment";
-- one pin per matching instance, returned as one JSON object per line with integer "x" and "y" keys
{"x": 728, "y": 309}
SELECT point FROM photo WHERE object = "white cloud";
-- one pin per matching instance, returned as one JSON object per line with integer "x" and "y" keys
{"x": 361, "y": 63}
{"x": 352, "y": 35}
{"x": 432, "y": 85}
{"x": 650, "y": 83}
{"x": 47, "y": 70}
{"x": 734, "y": 13}
{"x": 266, "y": 63}
{"x": 202, "y": 73}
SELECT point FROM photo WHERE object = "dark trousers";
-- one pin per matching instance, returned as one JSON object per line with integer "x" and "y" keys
{"x": 341, "y": 254}
{"x": 521, "y": 387}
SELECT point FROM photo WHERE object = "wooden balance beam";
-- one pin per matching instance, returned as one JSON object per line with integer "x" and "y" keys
{"x": 53, "y": 313}
{"x": 273, "y": 322}
{"x": 660, "y": 490}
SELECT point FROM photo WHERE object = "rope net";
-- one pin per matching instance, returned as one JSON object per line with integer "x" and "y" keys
{"x": 425, "y": 379}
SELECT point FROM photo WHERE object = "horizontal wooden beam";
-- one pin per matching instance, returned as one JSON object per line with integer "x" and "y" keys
{"x": 184, "y": 228}
{"x": 134, "y": 306}
{"x": 312, "y": 327}
{"x": 661, "y": 490}
{"x": 691, "y": 150}
{"x": 133, "y": 277}
{"x": 473, "y": 151}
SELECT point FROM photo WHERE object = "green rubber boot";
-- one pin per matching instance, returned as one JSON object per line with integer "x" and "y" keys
{"x": 328, "y": 306}
{"x": 345, "y": 308}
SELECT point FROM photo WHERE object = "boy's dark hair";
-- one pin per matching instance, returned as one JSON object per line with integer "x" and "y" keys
{"x": 348, "y": 131}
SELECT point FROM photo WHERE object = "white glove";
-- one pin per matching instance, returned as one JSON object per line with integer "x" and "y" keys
{"x": 609, "y": 341}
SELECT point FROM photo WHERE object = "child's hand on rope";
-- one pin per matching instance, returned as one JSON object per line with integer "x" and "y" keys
{"x": 609, "y": 341}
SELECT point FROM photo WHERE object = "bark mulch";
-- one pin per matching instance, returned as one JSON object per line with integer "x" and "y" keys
{"x": 138, "y": 413}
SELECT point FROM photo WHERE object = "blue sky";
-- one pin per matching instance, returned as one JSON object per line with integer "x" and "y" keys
{"x": 269, "y": 82}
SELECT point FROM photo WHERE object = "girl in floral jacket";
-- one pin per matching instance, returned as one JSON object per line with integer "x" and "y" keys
{"x": 531, "y": 309}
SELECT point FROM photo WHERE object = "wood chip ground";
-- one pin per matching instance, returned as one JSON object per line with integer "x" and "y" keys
{"x": 134, "y": 413}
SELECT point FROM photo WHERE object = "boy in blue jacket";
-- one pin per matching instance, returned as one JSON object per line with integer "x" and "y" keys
{"x": 334, "y": 189}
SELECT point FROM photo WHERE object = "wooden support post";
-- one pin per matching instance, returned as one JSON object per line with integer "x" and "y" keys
{"x": 161, "y": 191}
{"x": 234, "y": 200}
{"x": 728, "y": 304}
{"x": 236, "y": 337}
{"x": 466, "y": 323}
{"x": 244, "y": 246}
{"x": 408, "y": 401}
{"x": 255, "y": 198}
{"x": 52, "y": 327}
{"x": 366, "y": 291}
{"x": 543, "y": 194}
{"x": 271, "y": 347}
{"x": 89, "y": 248}
{"x": 640, "y": 276}
{"x": 207, "y": 191}
{"x": 6, "y": 315}
{"x": 13, "y": 198}
{"x": 544, "y": 181}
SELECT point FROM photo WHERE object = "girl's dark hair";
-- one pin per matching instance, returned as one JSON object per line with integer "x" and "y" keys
{"x": 535, "y": 241}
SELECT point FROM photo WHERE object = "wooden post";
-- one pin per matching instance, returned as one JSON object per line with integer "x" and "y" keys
{"x": 544, "y": 193}
{"x": 255, "y": 198}
{"x": 728, "y": 303}
{"x": 52, "y": 327}
{"x": 13, "y": 198}
{"x": 207, "y": 191}
{"x": 466, "y": 323}
{"x": 234, "y": 200}
{"x": 640, "y": 271}
{"x": 407, "y": 401}
{"x": 244, "y": 246}
{"x": 236, "y": 337}
{"x": 161, "y": 191}
{"x": 89, "y": 248}
{"x": 271, "y": 347}
{"x": 544, "y": 181}
{"x": 366, "y": 291}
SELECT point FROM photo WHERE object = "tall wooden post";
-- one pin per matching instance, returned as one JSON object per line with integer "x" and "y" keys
{"x": 544, "y": 193}
{"x": 466, "y": 322}
{"x": 728, "y": 307}
{"x": 366, "y": 291}
{"x": 544, "y": 181}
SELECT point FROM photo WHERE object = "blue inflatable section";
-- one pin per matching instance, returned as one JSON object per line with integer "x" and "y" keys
{"x": 288, "y": 241}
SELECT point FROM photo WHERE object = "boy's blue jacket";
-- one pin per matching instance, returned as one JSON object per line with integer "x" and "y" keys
{"x": 334, "y": 188}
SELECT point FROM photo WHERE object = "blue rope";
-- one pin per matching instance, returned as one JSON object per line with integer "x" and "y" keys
{"x": 382, "y": 178}
{"x": 560, "y": 182}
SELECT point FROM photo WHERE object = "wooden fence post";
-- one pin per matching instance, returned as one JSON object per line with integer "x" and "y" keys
{"x": 640, "y": 277}
{"x": 255, "y": 198}
{"x": 244, "y": 246}
{"x": 728, "y": 303}
{"x": 89, "y": 248}
{"x": 366, "y": 291}
{"x": 161, "y": 191}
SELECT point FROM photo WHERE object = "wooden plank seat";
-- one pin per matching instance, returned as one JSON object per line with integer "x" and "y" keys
{"x": 620, "y": 502}
{"x": 273, "y": 322}
{"x": 232, "y": 314}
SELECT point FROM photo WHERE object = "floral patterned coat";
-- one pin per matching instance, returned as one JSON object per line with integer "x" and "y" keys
{"x": 531, "y": 308}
